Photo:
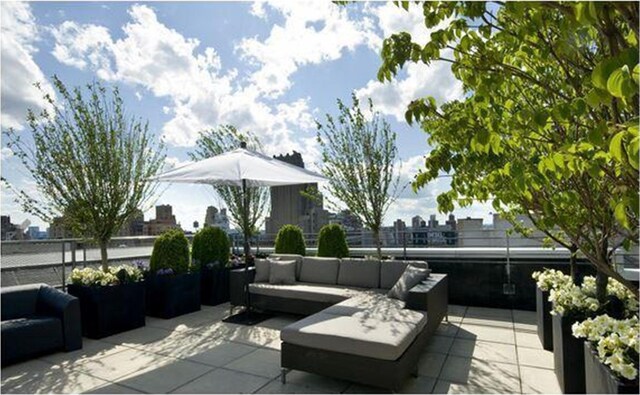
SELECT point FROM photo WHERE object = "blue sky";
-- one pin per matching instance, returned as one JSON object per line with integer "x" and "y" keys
{"x": 272, "y": 68}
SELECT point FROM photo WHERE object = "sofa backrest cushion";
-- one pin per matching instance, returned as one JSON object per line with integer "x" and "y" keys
{"x": 19, "y": 301}
{"x": 282, "y": 272}
{"x": 287, "y": 257}
{"x": 364, "y": 273}
{"x": 319, "y": 270}
{"x": 262, "y": 270}
{"x": 391, "y": 270}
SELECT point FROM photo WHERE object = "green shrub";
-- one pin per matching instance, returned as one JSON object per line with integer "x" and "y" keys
{"x": 332, "y": 242}
{"x": 170, "y": 251}
{"x": 211, "y": 245}
{"x": 290, "y": 240}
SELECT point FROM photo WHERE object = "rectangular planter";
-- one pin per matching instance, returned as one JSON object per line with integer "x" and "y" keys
{"x": 543, "y": 315}
{"x": 169, "y": 296}
{"x": 600, "y": 380}
{"x": 109, "y": 310}
{"x": 214, "y": 286}
{"x": 568, "y": 356}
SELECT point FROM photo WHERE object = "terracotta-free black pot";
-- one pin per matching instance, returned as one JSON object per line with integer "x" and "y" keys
{"x": 600, "y": 379}
{"x": 110, "y": 309}
{"x": 568, "y": 356}
{"x": 214, "y": 285}
{"x": 543, "y": 315}
{"x": 171, "y": 295}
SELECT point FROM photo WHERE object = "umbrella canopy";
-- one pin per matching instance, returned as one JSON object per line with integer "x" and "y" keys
{"x": 234, "y": 167}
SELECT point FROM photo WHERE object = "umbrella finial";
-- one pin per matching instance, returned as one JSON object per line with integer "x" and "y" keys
{"x": 243, "y": 144}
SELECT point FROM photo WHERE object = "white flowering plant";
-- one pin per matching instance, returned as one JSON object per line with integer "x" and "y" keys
{"x": 617, "y": 342}
{"x": 97, "y": 277}
{"x": 550, "y": 278}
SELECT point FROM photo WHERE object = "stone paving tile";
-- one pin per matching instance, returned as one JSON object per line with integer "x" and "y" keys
{"x": 447, "y": 387}
{"x": 535, "y": 357}
{"x": 539, "y": 381}
{"x": 316, "y": 382}
{"x": 262, "y": 362}
{"x": 486, "y": 312}
{"x": 448, "y": 329}
{"x": 527, "y": 339}
{"x": 165, "y": 378}
{"x": 222, "y": 381}
{"x": 418, "y": 385}
{"x": 488, "y": 351}
{"x": 525, "y": 320}
{"x": 115, "y": 366}
{"x": 440, "y": 344}
{"x": 189, "y": 322}
{"x": 486, "y": 333}
{"x": 36, "y": 377}
{"x": 91, "y": 350}
{"x": 502, "y": 377}
{"x": 112, "y": 388}
{"x": 138, "y": 337}
{"x": 430, "y": 364}
{"x": 493, "y": 322}
{"x": 221, "y": 354}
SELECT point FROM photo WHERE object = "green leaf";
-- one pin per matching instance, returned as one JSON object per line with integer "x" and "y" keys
{"x": 601, "y": 73}
{"x": 632, "y": 152}
{"x": 615, "y": 146}
{"x": 620, "y": 84}
{"x": 597, "y": 96}
{"x": 620, "y": 212}
{"x": 636, "y": 74}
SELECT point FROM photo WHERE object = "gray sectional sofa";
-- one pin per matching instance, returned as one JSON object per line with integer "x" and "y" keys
{"x": 353, "y": 330}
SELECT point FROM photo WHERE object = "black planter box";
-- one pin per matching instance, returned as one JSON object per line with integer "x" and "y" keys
{"x": 109, "y": 310}
{"x": 169, "y": 296}
{"x": 543, "y": 315}
{"x": 214, "y": 286}
{"x": 600, "y": 379}
{"x": 568, "y": 356}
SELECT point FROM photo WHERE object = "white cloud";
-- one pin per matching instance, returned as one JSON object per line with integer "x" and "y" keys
{"x": 6, "y": 153}
{"x": 313, "y": 32}
{"x": 19, "y": 70}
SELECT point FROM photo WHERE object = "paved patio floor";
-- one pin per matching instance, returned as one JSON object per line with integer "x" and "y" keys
{"x": 480, "y": 350}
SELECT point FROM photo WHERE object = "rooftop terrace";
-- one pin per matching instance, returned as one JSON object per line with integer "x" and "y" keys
{"x": 480, "y": 350}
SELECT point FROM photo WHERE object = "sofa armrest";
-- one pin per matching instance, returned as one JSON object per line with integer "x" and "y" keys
{"x": 432, "y": 295}
{"x": 65, "y": 307}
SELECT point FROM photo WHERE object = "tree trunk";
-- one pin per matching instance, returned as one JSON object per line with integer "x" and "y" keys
{"x": 376, "y": 237}
{"x": 103, "y": 256}
{"x": 573, "y": 265}
{"x": 601, "y": 286}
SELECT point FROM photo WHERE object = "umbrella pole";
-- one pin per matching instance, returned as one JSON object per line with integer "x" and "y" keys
{"x": 247, "y": 248}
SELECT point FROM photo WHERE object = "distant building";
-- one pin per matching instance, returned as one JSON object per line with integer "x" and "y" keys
{"x": 290, "y": 206}
{"x": 34, "y": 233}
{"x": 349, "y": 221}
{"x": 59, "y": 230}
{"x": 417, "y": 222}
{"x": 399, "y": 232}
{"x": 432, "y": 233}
{"x": 10, "y": 231}
{"x": 217, "y": 218}
{"x": 133, "y": 227}
{"x": 164, "y": 221}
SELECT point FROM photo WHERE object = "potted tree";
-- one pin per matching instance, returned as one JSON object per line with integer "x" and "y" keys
{"x": 290, "y": 241}
{"x": 210, "y": 253}
{"x": 173, "y": 284}
{"x": 547, "y": 280}
{"x": 332, "y": 242}
{"x": 111, "y": 301}
{"x": 610, "y": 354}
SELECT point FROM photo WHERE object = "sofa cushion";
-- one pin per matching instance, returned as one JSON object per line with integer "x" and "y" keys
{"x": 391, "y": 270}
{"x": 262, "y": 270}
{"x": 305, "y": 291}
{"x": 282, "y": 272}
{"x": 288, "y": 257}
{"x": 371, "y": 338}
{"x": 409, "y": 278}
{"x": 24, "y": 338}
{"x": 319, "y": 270}
{"x": 363, "y": 273}
{"x": 19, "y": 301}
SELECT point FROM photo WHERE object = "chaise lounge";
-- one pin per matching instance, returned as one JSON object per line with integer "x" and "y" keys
{"x": 353, "y": 330}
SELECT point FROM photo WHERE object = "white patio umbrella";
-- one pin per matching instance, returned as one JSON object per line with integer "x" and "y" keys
{"x": 242, "y": 168}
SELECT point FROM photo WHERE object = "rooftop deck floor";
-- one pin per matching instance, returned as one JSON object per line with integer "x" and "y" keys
{"x": 480, "y": 350}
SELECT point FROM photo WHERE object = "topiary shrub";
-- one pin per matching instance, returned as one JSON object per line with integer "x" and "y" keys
{"x": 211, "y": 245}
{"x": 290, "y": 241}
{"x": 170, "y": 251}
{"x": 332, "y": 242}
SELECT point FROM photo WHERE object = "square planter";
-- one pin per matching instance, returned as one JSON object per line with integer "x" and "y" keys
{"x": 543, "y": 315}
{"x": 568, "y": 356}
{"x": 214, "y": 285}
{"x": 109, "y": 310}
{"x": 169, "y": 296}
{"x": 600, "y": 379}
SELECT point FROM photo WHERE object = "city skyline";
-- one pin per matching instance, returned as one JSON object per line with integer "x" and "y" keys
{"x": 222, "y": 48}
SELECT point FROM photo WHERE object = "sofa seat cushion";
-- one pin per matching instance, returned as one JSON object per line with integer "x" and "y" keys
{"x": 305, "y": 291}
{"x": 23, "y": 338}
{"x": 386, "y": 340}
{"x": 363, "y": 273}
{"x": 319, "y": 270}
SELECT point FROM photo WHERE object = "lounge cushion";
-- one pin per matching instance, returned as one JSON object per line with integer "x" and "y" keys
{"x": 319, "y": 270}
{"x": 363, "y": 273}
{"x": 391, "y": 270}
{"x": 25, "y": 338}
{"x": 410, "y": 278}
{"x": 19, "y": 301}
{"x": 371, "y": 338}
{"x": 282, "y": 272}
{"x": 288, "y": 257}
{"x": 262, "y": 270}
{"x": 305, "y": 291}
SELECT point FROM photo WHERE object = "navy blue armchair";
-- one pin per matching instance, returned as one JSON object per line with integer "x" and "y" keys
{"x": 38, "y": 319}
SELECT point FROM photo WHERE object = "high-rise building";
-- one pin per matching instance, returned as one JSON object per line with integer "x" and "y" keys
{"x": 10, "y": 231}
{"x": 417, "y": 222}
{"x": 58, "y": 229}
{"x": 399, "y": 232}
{"x": 290, "y": 206}
{"x": 213, "y": 217}
{"x": 133, "y": 227}
{"x": 164, "y": 221}
{"x": 349, "y": 221}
